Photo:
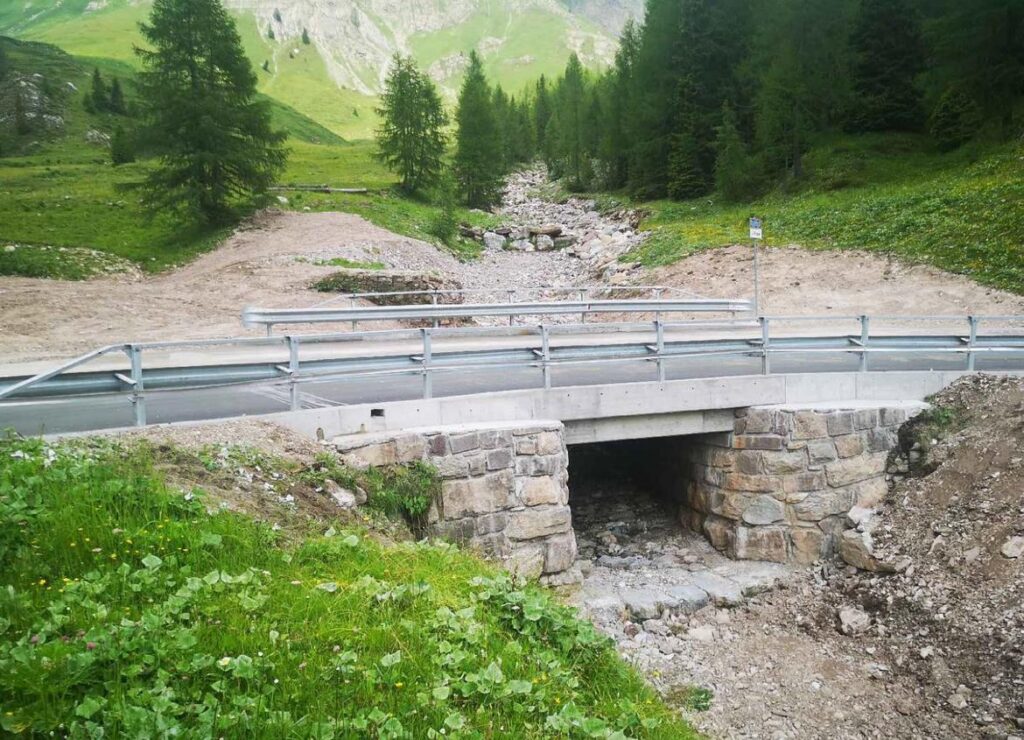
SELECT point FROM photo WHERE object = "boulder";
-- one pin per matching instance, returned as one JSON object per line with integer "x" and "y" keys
{"x": 544, "y": 243}
{"x": 493, "y": 241}
{"x": 853, "y": 621}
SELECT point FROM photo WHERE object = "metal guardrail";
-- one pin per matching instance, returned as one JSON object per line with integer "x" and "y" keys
{"x": 270, "y": 317}
{"x": 427, "y": 362}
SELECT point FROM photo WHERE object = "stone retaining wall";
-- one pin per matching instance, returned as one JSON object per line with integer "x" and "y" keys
{"x": 360, "y": 280}
{"x": 779, "y": 486}
{"x": 504, "y": 489}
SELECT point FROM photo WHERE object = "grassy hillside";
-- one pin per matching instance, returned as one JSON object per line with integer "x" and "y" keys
{"x": 58, "y": 189}
{"x": 129, "y": 610}
{"x": 960, "y": 212}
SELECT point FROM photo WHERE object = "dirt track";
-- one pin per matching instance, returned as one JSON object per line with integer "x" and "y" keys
{"x": 261, "y": 264}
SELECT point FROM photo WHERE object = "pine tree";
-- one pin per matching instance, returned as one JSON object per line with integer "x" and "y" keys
{"x": 211, "y": 134}
{"x": 733, "y": 167}
{"x": 478, "y": 151}
{"x": 99, "y": 96}
{"x": 888, "y": 56}
{"x": 305, "y": 37}
{"x": 122, "y": 147}
{"x": 685, "y": 178}
{"x": 117, "y": 104}
{"x": 411, "y": 138}
{"x": 615, "y": 145}
{"x": 571, "y": 103}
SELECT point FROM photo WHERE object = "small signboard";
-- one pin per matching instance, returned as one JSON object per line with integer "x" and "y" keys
{"x": 755, "y": 229}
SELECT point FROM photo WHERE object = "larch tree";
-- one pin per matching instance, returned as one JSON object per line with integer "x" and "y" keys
{"x": 411, "y": 139}
{"x": 211, "y": 134}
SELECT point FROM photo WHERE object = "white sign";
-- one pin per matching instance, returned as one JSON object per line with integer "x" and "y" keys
{"x": 755, "y": 229}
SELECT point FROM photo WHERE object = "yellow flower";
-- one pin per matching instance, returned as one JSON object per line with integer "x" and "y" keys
{"x": 42, "y": 581}
{"x": 399, "y": 684}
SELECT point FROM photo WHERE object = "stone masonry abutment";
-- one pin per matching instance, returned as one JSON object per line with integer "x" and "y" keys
{"x": 777, "y": 487}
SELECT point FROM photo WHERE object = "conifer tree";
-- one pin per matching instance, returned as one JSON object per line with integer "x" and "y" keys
{"x": 122, "y": 147}
{"x": 305, "y": 37}
{"x": 733, "y": 167}
{"x": 478, "y": 151}
{"x": 210, "y": 133}
{"x": 117, "y": 104}
{"x": 99, "y": 96}
{"x": 22, "y": 124}
{"x": 411, "y": 138}
{"x": 4, "y": 62}
{"x": 571, "y": 103}
{"x": 888, "y": 55}
{"x": 541, "y": 112}
{"x": 502, "y": 126}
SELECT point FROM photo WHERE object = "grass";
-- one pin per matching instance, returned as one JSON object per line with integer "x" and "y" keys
{"x": 960, "y": 212}
{"x": 128, "y": 609}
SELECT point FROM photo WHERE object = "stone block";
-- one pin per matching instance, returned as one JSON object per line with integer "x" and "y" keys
{"x": 809, "y": 425}
{"x": 881, "y": 439}
{"x": 410, "y": 447}
{"x": 865, "y": 418}
{"x": 870, "y": 493}
{"x": 803, "y": 482}
{"x": 494, "y": 546}
{"x": 821, "y": 451}
{"x": 371, "y": 456}
{"x": 499, "y": 459}
{"x": 546, "y": 465}
{"x": 751, "y": 483}
{"x": 477, "y": 464}
{"x": 717, "y": 457}
{"x": 646, "y": 603}
{"x": 464, "y": 442}
{"x": 850, "y": 445}
{"x": 526, "y": 560}
{"x": 765, "y": 421}
{"x": 452, "y": 467}
{"x": 808, "y": 545}
{"x": 891, "y": 417}
{"x": 490, "y": 523}
{"x": 784, "y": 463}
{"x": 526, "y": 445}
{"x": 720, "y": 533}
{"x": 855, "y": 469}
{"x": 840, "y": 422}
{"x": 821, "y": 504}
{"x": 721, "y": 591}
{"x": 758, "y": 442}
{"x": 468, "y": 497}
{"x": 538, "y": 521}
{"x": 763, "y": 510}
{"x": 437, "y": 445}
{"x": 560, "y": 553}
{"x": 549, "y": 443}
{"x": 493, "y": 438}
{"x": 536, "y": 491}
{"x": 748, "y": 462}
{"x": 689, "y": 599}
{"x": 761, "y": 543}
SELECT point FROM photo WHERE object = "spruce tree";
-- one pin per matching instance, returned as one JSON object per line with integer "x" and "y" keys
{"x": 502, "y": 127}
{"x": 305, "y": 37}
{"x": 571, "y": 103}
{"x": 122, "y": 147}
{"x": 541, "y": 111}
{"x": 210, "y": 133}
{"x": 733, "y": 167}
{"x": 888, "y": 55}
{"x": 117, "y": 104}
{"x": 99, "y": 96}
{"x": 477, "y": 151}
{"x": 411, "y": 138}
{"x": 615, "y": 144}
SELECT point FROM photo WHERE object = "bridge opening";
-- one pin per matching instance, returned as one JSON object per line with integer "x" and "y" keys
{"x": 625, "y": 498}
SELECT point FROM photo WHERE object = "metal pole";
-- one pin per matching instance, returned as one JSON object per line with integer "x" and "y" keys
{"x": 865, "y": 330}
{"x": 433, "y": 301}
{"x": 757, "y": 278}
{"x": 583, "y": 298}
{"x": 293, "y": 371}
{"x": 659, "y": 329}
{"x": 428, "y": 388}
{"x": 545, "y": 356}
{"x": 765, "y": 364}
{"x": 352, "y": 303}
{"x": 971, "y": 339}
{"x": 138, "y": 400}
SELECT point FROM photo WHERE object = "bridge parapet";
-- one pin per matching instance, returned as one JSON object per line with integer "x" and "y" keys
{"x": 778, "y": 486}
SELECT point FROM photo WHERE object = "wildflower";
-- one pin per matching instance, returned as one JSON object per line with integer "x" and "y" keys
{"x": 224, "y": 662}
{"x": 399, "y": 684}
{"x": 42, "y": 581}
{"x": 90, "y": 646}
{"x": 34, "y": 639}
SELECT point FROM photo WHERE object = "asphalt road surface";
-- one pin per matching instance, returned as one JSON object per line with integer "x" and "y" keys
{"x": 108, "y": 411}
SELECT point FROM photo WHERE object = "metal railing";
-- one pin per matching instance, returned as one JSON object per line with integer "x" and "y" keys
{"x": 270, "y": 317}
{"x": 427, "y": 362}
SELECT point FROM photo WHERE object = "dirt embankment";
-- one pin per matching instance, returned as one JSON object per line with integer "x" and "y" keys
{"x": 933, "y": 651}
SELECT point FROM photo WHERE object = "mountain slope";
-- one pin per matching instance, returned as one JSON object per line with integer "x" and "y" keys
{"x": 335, "y": 77}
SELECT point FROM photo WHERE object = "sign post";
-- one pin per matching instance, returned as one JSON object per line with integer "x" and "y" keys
{"x": 756, "y": 234}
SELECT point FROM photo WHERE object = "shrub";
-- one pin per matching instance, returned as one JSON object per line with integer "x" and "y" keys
{"x": 955, "y": 120}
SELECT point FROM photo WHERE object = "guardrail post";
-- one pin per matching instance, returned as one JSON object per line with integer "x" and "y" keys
{"x": 865, "y": 333}
{"x": 971, "y": 339}
{"x": 766, "y": 367}
{"x": 352, "y": 304}
{"x": 511, "y": 299}
{"x": 433, "y": 302}
{"x": 659, "y": 329}
{"x": 428, "y": 386}
{"x": 545, "y": 348}
{"x": 657, "y": 297}
{"x": 583, "y": 299}
{"x": 138, "y": 399}
{"x": 293, "y": 371}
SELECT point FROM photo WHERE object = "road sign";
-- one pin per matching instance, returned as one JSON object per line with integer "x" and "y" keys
{"x": 755, "y": 229}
